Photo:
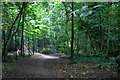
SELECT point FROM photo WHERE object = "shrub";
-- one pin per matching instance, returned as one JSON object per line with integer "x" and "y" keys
{"x": 46, "y": 51}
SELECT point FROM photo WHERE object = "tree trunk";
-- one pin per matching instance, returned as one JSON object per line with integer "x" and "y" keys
{"x": 10, "y": 35}
{"x": 22, "y": 38}
{"x": 108, "y": 38}
{"x": 4, "y": 48}
{"x": 72, "y": 35}
{"x": 38, "y": 45}
{"x": 101, "y": 34}
{"x": 33, "y": 47}
{"x": 16, "y": 47}
{"x": 28, "y": 47}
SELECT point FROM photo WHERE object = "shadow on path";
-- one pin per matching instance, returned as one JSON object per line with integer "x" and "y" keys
{"x": 51, "y": 66}
{"x": 32, "y": 67}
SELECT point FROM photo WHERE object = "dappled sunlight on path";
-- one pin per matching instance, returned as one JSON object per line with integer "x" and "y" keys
{"x": 52, "y": 66}
{"x": 43, "y": 56}
{"x": 38, "y": 65}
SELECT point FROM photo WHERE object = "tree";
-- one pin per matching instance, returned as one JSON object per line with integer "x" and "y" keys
{"x": 73, "y": 28}
{"x": 72, "y": 36}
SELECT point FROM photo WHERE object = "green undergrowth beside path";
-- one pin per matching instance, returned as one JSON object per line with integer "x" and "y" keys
{"x": 12, "y": 58}
{"x": 101, "y": 62}
{"x": 107, "y": 64}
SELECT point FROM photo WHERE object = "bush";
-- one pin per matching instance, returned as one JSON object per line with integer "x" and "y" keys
{"x": 46, "y": 51}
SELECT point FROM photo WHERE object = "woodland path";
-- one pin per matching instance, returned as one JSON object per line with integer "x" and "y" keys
{"x": 51, "y": 66}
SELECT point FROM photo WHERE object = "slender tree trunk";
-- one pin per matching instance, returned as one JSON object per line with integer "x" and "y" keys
{"x": 44, "y": 42}
{"x": 4, "y": 49}
{"x": 38, "y": 45}
{"x": 16, "y": 46}
{"x": 101, "y": 34}
{"x": 28, "y": 47}
{"x": 22, "y": 38}
{"x": 10, "y": 35}
{"x": 72, "y": 36}
{"x": 78, "y": 35}
{"x": 108, "y": 39}
{"x": 33, "y": 47}
{"x": 67, "y": 20}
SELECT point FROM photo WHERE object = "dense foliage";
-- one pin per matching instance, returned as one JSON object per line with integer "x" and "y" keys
{"x": 96, "y": 28}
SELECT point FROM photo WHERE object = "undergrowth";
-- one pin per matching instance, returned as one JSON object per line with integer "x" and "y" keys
{"x": 101, "y": 62}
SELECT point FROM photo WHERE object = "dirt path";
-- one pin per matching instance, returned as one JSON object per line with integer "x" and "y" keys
{"x": 46, "y": 66}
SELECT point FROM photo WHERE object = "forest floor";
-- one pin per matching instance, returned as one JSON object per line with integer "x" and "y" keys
{"x": 51, "y": 66}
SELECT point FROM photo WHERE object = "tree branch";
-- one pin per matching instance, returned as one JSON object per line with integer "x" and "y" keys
{"x": 10, "y": 31}
{"x": 10, "y": 35}
{"x": 17, "y": 28}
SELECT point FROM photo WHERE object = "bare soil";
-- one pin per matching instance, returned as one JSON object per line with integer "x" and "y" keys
{"x": 51, "y": 66}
